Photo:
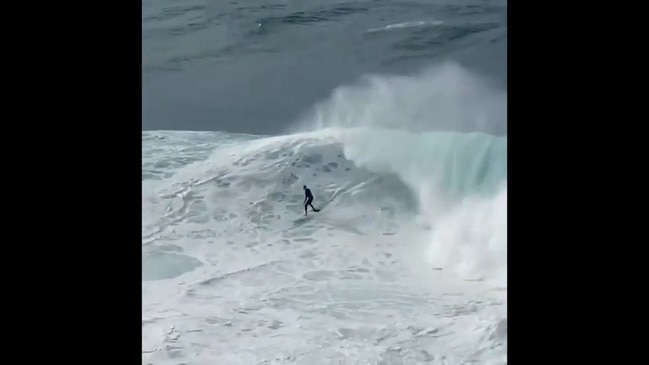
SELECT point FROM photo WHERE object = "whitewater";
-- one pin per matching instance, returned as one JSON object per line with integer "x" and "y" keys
{"x": 406, "y": 263}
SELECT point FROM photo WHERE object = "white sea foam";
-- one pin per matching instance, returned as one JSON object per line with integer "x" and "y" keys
{"x": 235, "y": 273}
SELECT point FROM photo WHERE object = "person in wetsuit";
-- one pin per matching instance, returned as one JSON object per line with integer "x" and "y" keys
{"x": 308, "y": 199}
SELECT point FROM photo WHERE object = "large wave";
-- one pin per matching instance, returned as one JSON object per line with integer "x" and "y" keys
{"x": 383, "y": 157}
{"x": 459, "y": 182}
{"x": 438, "y": 132}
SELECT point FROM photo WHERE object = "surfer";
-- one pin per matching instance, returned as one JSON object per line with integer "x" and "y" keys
{"x": 308, "y": 199}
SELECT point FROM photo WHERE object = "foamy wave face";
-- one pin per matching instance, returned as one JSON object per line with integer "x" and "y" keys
{"x": 372, "y": 179}
{"x": 471, "y": 239}
{"x": 457, "y": 181}
{"x": 229, "y": 259}
{"x": 269, "y": 173}
{"x": 386, "y": 125}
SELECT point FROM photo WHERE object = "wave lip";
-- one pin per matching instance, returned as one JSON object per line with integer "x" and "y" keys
{"x": 453, "y": 164}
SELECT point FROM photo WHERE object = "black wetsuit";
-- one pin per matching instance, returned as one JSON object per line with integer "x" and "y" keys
{"x": 308, "y": 199}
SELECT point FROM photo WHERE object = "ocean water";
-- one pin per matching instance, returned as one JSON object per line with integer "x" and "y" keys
{"x": 393, "y": 113}
{"x": 257, "y": 66}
